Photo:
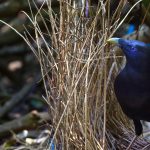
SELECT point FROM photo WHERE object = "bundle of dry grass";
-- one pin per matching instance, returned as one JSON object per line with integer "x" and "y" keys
{"x": 78, "y": 69}
{"x": 80, "y": 78}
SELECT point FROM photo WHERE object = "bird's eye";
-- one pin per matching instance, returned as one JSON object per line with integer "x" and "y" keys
{"x": 130, "y": 48}
{"x": 133, "y": 48}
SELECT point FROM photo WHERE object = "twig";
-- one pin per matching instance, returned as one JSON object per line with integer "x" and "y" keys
{"x": 29, "y": 121}
{"x": 131, "y": 143}
{"x": 17, "y": 98}
{"x": 14, "y": 6}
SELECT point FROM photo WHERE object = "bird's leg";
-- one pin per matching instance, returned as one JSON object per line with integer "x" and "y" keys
{"x": 138, "y": 131}
{"x": 135, "y": 137}
{"x": 138, "y": 127}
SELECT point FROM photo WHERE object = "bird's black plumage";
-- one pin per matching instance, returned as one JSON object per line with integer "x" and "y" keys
{"x": 132, "y": 85}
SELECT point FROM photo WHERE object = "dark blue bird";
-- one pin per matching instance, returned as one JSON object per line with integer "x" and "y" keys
{"x": 132, "y": 85}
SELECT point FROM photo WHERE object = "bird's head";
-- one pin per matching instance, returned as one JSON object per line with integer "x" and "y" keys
{"x": 137, "y": 53}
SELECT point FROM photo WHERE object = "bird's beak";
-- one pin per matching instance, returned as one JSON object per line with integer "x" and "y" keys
{"x": 113, "y": 40}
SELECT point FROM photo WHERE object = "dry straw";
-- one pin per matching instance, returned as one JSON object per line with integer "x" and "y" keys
{"x": 78, "y": 69}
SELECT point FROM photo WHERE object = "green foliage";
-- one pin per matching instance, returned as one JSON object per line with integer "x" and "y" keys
{"x": 146, "y": 3}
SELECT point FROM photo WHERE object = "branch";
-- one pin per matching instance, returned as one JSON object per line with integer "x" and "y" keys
{"x": 17, "y": 98}
{"x": 28, "y": 121}
{"x": 12, "y": 7}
